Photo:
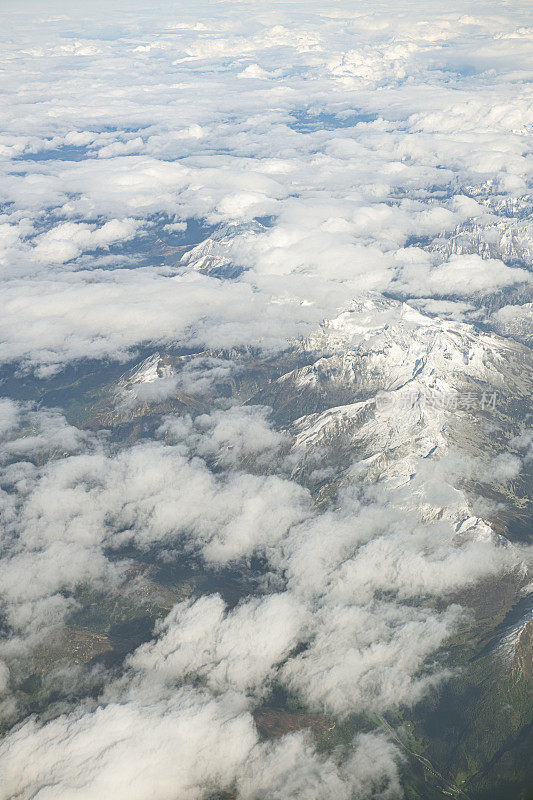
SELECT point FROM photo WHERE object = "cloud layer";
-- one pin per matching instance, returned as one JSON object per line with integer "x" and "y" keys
{"x": 225, "y": 176}
{"x": 360, "y": 136}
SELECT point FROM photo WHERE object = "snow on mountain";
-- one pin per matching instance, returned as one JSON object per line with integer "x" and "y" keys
{"x": 151, "y": 370}
{"x": 384, "y": 393}
{"x": 154, "y": 383}
{"x": 384, "y": 344}
{"x": 425, "y": 393}
{"x": 510, "y": 240}
{"x": 217, "y": 255}
{"x": 512, "y": 644}
{"x": 515, "y": 321}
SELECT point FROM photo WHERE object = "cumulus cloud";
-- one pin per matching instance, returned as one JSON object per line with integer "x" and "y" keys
{"x": 234, "y": 651}
{"x": 106, "y": 314}
{"x": 187, "y": 742}
{"x": 237, "y": 433}
{"x": 524, "y": 443}
{"x": 464, "y": 276}
{"x": 9, "y": 415}
{"x": 38, "y": 434}
{"x": 258, "y": 173}
{"x": 59, "y": 518}
{"x": 69, "y": 239}
{"x": 351, "y": 194}
{"x": 515, "y": 321}
{"x": 341, "y": 633}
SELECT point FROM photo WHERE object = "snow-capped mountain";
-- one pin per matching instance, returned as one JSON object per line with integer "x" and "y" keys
{"x": 153, "y": 368}
{"x": 515, "y": 321}
{"x": 510, "y": 240}
{"x": 390, "y": 394}
{"x": 380, "y": 345}
{"x": 381, "y": 392}
{"x": 217, "y": 255}
{"x": 151, "y": 386}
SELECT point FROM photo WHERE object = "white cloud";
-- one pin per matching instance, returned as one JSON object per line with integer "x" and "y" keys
{"x": 192, "y": 139}
{"x": 9, "y": 415}
{"x": 463, "y": 276}
{"x": 237, "y": 651}
{"x": 185, "y": 743}
{"x": 237, "y": 433}
{"x": 365, "y": 140}
{"x": 70, "y": 239}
